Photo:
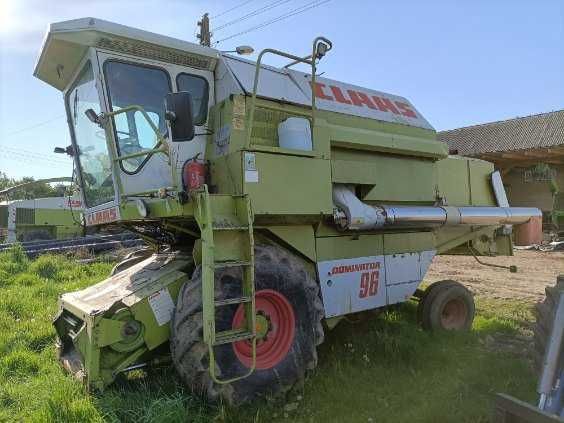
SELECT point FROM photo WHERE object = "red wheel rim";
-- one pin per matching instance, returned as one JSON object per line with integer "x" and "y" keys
{"x": 454, "y": 314}
{"x": 272, "y": 348}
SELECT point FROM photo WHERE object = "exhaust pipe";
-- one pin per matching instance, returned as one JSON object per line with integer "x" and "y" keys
{"x": 353, "y": 214}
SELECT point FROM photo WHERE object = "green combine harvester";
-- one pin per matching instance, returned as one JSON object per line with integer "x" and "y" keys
{"x": 277, "y": 202}
{"x": 39, "y": 218}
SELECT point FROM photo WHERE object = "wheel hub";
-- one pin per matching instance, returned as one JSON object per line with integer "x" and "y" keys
{"x": 275, "y": 323}
{"x": 453, "y": 315}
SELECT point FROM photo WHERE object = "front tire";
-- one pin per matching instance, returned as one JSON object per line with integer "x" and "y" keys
{"x": 287, "y": 298}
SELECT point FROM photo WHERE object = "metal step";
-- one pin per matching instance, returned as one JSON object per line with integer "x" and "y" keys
{"x": 234, "y": 263}
{"x": 230, "y": 228}
{"x": 229, "y": 336}
{"x": 229, "y": 301}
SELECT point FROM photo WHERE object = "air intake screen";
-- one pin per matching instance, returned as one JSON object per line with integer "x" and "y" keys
{"x": 151, "y": 51}
{"x": 25, "y": 216}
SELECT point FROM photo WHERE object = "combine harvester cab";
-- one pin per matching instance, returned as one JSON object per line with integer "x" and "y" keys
{"x": 278, "y": 202}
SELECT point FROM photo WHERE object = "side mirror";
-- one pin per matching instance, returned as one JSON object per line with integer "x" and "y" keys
{"x": 92, "y": 116}
{"x": 178, "y": 111}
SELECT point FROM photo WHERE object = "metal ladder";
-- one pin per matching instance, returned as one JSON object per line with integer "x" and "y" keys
{"x": 226, "y": 226}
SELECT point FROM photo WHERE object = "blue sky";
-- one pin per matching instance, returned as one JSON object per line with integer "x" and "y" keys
{"x": 461, "y": 62}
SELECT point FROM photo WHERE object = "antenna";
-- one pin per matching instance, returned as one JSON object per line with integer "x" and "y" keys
{"x": 205, "y": 35}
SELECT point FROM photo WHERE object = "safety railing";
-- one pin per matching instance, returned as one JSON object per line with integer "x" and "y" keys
{"x": 321, "y": 46}
{"x": 161, "y": 147}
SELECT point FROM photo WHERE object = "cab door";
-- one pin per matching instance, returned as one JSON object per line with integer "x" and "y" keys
{"x": 127, "y": 81}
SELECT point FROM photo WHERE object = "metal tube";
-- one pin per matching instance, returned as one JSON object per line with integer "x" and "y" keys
{"x": 415, "y": 215}
{"x": 438, "y": 216}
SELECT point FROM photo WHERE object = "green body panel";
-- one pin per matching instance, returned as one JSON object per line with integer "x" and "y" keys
{"x": 349, "y": 246}
{"x": 298, "y": 237}
{"x": 291, "y": 185}
{"x": 465, "y": 181}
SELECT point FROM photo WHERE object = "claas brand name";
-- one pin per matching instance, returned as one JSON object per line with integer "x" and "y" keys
{"x": 361, "y": 267}
{"x": 362, "y": 99}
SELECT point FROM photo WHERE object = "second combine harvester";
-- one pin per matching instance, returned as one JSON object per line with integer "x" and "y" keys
{"x": 277, "y": 202}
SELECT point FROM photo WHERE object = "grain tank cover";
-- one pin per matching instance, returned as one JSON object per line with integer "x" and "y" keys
{"x": 293, "y": 86}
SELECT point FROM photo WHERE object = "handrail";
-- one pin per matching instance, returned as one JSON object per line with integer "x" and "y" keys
{"x": 309, "y": 60}
{"x": 161, "y": 147}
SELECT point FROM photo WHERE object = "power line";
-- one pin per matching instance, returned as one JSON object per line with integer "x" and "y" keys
{"x": 255, "y": 12}
{"x": 230, "y": 10}
{"x": 24, "y": 151}
{"x": 25, "y": 155}
{"x": 36, "y": 125}
{"x": 30, "y": 161}
{"x": 291, "y": 13}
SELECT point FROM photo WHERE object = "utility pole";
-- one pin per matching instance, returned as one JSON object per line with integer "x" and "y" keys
{"x": 205, "y": 35}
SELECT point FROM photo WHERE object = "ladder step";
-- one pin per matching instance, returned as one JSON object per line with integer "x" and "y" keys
{"x": 229, "y": 301}
{"x": 234, "y": 263}
{"x": 229, "y": 336}
{"x": 229, "y": 228}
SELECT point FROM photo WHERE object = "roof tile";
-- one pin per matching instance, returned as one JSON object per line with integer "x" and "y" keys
{"x": 524, "y": 133}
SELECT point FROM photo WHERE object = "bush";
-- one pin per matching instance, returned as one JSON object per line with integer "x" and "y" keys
{"x": 48, "y": 266}
{"x": 12, "y": 262}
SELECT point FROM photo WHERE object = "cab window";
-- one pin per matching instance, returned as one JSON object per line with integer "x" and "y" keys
{"x": 197, "y": 86}
{"x": 90, "y": 141}
{"x": 141, "y": 85}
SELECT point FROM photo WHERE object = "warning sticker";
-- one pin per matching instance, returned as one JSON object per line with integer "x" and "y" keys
{"x": 162, "y": 305}
{"x": 251, "y": 176}
{"x": 251, "y": 172}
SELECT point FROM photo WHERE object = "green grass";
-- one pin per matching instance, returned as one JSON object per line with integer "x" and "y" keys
{"x": 382, "y": 370}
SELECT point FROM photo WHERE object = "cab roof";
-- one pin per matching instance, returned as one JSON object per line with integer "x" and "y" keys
{"x": 66, "y": 43}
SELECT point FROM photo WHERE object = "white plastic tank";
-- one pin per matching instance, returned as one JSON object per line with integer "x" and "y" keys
{"x": 295, "y": 133}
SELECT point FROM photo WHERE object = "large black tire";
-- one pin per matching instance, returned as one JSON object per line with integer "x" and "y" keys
{"x": 275, "y": 269}
{"x": 446, "y": 305}
{"x": 542, "y": 328}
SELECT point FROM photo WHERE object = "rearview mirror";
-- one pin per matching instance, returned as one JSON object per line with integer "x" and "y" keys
{"x": 92, "y": 116}
{"x": 178, "y": 111}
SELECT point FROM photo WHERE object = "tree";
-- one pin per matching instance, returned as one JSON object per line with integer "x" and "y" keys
{"x": 38, "y": 190}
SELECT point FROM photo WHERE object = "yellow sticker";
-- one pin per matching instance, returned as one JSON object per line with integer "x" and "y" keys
{"x": 238, "y": 122}
{"x": 239, "y": 105}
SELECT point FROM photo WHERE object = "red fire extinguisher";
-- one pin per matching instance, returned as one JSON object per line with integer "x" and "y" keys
{"x": 193, "y": 174}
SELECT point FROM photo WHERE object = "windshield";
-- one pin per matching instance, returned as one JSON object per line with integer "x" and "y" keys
{"x": 90, "y": 139}
{"x": 141, "y": 85}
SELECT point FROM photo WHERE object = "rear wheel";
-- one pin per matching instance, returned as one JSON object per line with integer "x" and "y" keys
{"x": 446, "y": 305}
{"x": 288, "y": 316}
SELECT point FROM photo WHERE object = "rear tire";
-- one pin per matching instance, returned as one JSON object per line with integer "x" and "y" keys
{"x": 278, "y": 274}
{"x": 446, "y": 305}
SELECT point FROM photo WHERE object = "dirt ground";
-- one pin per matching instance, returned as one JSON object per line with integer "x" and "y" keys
{"x": 536, "y": 270}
